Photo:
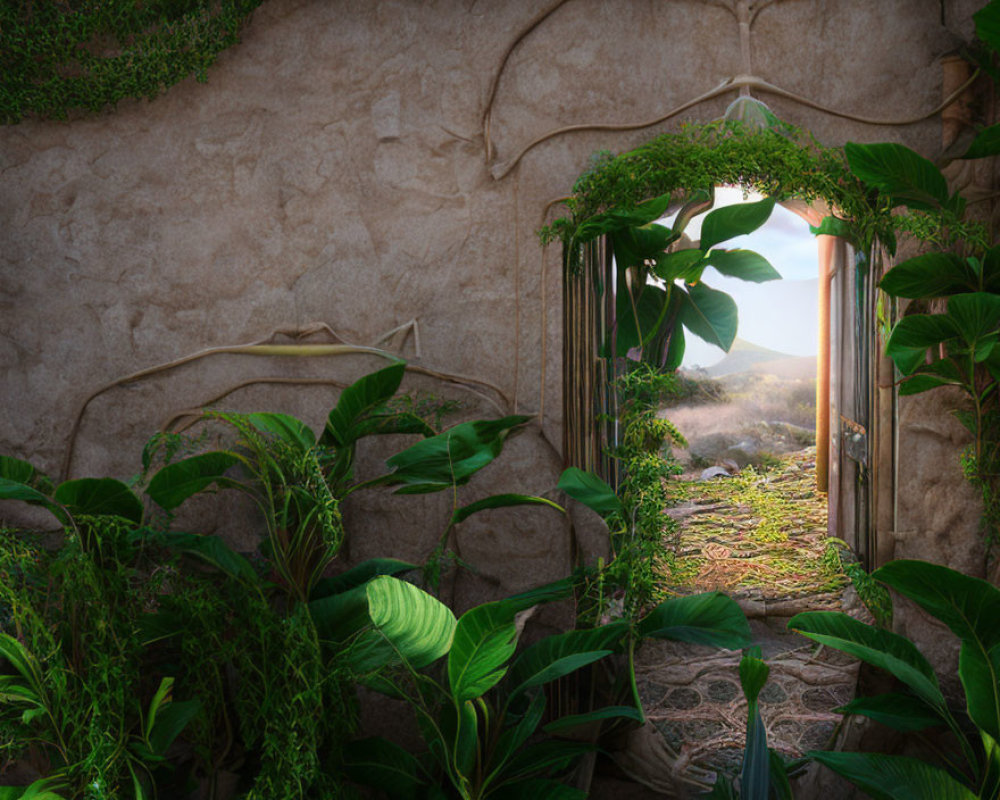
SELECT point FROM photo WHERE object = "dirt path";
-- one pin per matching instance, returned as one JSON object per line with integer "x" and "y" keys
{"x": 756, "y": 533}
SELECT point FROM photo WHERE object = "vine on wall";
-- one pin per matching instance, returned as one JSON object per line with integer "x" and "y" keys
{"x": 59, "y": 56}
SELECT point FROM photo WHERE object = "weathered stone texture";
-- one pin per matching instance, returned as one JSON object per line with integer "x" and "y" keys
{"x": 333, "y": 169}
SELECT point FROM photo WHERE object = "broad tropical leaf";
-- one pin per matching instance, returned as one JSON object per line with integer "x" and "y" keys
{"x": 546, "y": 755}
{"x": 211, "y": 549}
{"x": 516, "y": 735}
{"x": 357, "y": 401}
{"x": 17, "y": 471}
{"x": 835, "y": 226}
{"x": 743, "y": 264}
{"x": 894, "y": 777}
{"x": 970, "y": 607}
{"x": 724, "y": 223}
{"x": 485, "y": 639}
{"x": 901, "y": 712}
{"x": 710, "y": 315}
{"x": 360, "y": 574}
{"x": 711, "y": 618}
{"x": 933, "y": 274}
{"x": 99, "y": 497}
{"x": 880, "y": 648}
{"x": 618, "y": 219}
{"x": 380, "y": 763}
{"x": 170, "y": 721}
{"x": 590, "y": 490}
{"x": 601, "y": 714}
{"x": 176, "y": 482}
{"x": 501, "y": 501}
{"x": 450, "y": 458}
{"x": 913, "y": 335}
{"x": 419, "y": 626}
{"x": 909, "y": 178}
{"x": 986, "y": 143}
{"x": 559, "y": 655}
{"x": 685, "y": 265}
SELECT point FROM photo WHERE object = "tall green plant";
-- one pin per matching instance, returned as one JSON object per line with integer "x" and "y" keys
{"x": 970, "y": 608}
{"x": 480, "y": 710}
{"x": 659, "y": 289}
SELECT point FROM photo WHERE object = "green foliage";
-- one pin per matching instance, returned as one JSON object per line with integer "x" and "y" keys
{"x": 956, "y": 347}
{"x": 77, "y": 55}
{"x": 969, "y": 607}
{"x": 480, "y": 722}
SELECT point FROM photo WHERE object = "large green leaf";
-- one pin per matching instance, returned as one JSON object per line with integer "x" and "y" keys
{"x": 387, "y": 766}
{"x": 876, "y": 646}
{"x": 19, "y": 480}
{"x": 985, "y": 144}
{"x": 599, "y": 715}
{"x": 546, "y": 755}
{"x": 901, "y": 712}
{"x": 913, "y": 335}
{"x": 392, "y": 422}
{"x": 709, "y": 314}
{"x": 930, "y": 275}
{"x": 99, "y": 497}
{"x": 501, "y": 501}
{"x": 743, "y": 264}
{"x": 211, "y": 549}
{"x": 559, "y": 655}
{"x": 361, "y": 398}
{"x": 976, "y": 316}
{"x": 907, "y": 177}
{"x": 724, "y": 223}
{"x": 635, "y": 328}
{"x": 17, "y": 471}
{"x": 590, "y": 490}
{"x": 685, "y": 265}
{"x": 835, "y": 226}
{"x": 987, "y": 21}
{"x": 287, "y": 429}
{"x": 619, "y": 219}
{"x": 176, "y": 482}
{"x": 419, "y": 626}
{"x": 485, "y": 639}
{"x": 970, "y": 607}
{"x": 170, "y": 721}
{"x": 450, "y": 458}
{"x": 516, "y": 735}
{"x": 634, "y": 245}
{"x": 360, "y": 574}
{"x": 894, "y": 777}
{"x": 711, "y": 618}
{"x": 942, "y": 372}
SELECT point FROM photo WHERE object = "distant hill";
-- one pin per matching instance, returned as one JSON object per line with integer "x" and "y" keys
{"x": 744, "y": 356}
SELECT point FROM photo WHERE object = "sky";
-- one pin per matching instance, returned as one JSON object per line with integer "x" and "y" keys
{"x": 780, "y": 315}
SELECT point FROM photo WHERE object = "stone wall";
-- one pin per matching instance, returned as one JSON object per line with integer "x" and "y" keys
{"x": 334, "y": 169}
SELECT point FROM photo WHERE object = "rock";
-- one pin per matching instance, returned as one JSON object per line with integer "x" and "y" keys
{"x": 713, "y": 472}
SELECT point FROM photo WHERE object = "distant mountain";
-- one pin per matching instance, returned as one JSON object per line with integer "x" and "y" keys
{"x": 746, "y": 356}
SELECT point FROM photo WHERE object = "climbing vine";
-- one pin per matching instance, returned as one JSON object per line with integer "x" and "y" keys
{"x": 86, "y": 55}
{"x": 781, "y": 162}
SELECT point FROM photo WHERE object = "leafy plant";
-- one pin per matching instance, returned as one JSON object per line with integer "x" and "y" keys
{"x": 970, "y": 608}
{"x": 73, "y": 691}
{"x": 651, "y": 315}
{"x": 479, "y": 714}
{"x": 954, "y": 346}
